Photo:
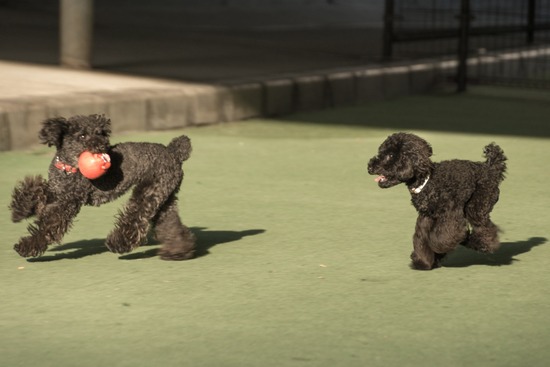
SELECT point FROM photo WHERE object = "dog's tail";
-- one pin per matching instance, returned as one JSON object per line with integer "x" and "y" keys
{"x": 496, "y": 160}
{"x": 180, "y": 148}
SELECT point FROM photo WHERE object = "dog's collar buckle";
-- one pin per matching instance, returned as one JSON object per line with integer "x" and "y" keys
{"x": 418, "y": 189}
{"x": 68, "y": 169}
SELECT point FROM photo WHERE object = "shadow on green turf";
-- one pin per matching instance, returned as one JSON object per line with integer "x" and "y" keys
{"x": 505, "y": 255}
{"x": 77, "y": 250}
{"x": 206, "y": 239}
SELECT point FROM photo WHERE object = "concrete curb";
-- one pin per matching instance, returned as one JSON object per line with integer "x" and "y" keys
{"x": 184, "y": 105}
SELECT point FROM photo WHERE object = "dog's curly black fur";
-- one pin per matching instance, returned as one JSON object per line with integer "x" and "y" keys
{"x": 453, "y": 198}
{"x": 153, "y": 170}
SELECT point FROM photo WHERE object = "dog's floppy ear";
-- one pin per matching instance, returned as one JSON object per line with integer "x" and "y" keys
{"x": 103, "y": 123}
{"x": 420, "y": 151}
{"x": 52, "y": 131}
{"x": 426, "y": 149}
{"x": 106, "y": 125}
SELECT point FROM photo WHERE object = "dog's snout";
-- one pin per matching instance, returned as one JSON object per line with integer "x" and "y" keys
{"x": 97, "y": 144}
{"x": 371, "y": 165}
{"x": 369, "y": 169}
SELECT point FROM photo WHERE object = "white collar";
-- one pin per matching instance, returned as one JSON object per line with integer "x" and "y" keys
{"x": 419, "y": 188}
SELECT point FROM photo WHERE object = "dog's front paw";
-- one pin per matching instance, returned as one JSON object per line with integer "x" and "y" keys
{"x": 419, "y": 263}
{"x": 29, "y": 247}
{"x": 167, "y": 254}
{"x": 119, "y": 244}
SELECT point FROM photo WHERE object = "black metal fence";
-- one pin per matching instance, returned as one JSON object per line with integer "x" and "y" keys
{"x": 493, "y": 41}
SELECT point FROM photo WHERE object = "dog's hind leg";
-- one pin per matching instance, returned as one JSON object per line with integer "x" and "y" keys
{"x": 484, "y": 234}
{"x": 178, "y": 241}
{"x": 50, "y": 227}
{"x": 133, "y": 222}
{"x": 484, "y": 237}
{"x": 29, "y": 198}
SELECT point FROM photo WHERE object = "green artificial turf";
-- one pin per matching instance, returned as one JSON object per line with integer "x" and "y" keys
{"x": 303, "y": 261}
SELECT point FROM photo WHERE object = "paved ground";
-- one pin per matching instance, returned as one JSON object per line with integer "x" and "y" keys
{"x": 188, "y": 52}
{"x": 203, "y": 46}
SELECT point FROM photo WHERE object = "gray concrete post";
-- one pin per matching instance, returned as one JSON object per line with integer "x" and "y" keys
{"x": 76, "y": 33}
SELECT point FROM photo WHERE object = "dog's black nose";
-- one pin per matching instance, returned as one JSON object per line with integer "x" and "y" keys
{"x": 370, "y": 169}
{"x": 370, "y": 166}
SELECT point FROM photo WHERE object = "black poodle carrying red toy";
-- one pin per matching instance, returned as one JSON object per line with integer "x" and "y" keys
{"x": 87, "y": 170}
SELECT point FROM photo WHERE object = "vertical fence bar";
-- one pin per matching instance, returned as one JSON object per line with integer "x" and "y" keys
{"x": 531, "y": 22}
{"x": 389, "y": 11}
{"x": 464, "y": 32}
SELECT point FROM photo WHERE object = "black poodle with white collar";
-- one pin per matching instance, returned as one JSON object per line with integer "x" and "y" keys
{"x": 453, "y": 198}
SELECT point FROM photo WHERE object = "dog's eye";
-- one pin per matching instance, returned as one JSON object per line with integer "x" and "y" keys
{"x": 82, "y": 136}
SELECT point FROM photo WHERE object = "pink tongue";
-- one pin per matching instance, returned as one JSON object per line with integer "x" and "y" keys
{"x": 377, "y": 179}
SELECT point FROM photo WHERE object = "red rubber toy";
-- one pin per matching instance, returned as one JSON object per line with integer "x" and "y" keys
{"x": 93, "y": 165}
